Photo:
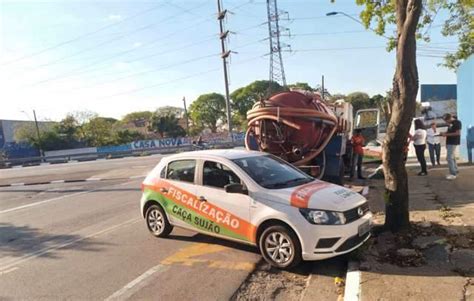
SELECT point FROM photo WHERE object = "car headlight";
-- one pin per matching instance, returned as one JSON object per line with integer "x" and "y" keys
{"x": 323, "y": 217}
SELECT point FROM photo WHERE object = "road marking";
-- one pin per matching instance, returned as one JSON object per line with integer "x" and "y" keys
{"x": 45, "y": 201}
{"x": 17, "y": 184}
{"x": 57, "y": 198}
{"x": 187, "y": 257}
{"x": 8, "y": 271}
{"x": 45, "y": 250}
{"x": 138, "y": 283}
{"x": 352, "y": 289}
{"x": 57, "y": 181}
{"x": 137, "y": 177}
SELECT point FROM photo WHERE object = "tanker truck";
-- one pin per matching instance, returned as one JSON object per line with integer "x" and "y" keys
{"x": 303, "y": 129}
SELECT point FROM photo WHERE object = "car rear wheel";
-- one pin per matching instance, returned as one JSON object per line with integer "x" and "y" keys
{"x": 280, "y": 247}
{"x": 157, "y": 222}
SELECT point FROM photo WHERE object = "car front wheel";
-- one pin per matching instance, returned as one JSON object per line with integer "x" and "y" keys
{"x": 157, "y": 222}
{"x": 280, "y": 247}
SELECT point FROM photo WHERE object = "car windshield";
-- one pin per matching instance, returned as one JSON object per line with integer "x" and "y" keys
{"x": 271, "y": 172}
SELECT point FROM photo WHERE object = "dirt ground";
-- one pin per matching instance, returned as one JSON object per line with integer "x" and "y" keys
{"x": 267, "y": 283}
{"x": 435, "y": 259}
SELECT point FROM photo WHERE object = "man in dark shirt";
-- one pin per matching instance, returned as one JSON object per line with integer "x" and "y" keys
{"x": 453, "y": 139}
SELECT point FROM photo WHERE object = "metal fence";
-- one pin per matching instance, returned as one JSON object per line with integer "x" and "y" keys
{"x": 110, "y": 153}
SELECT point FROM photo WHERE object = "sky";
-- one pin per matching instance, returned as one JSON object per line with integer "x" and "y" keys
{"x": 117, "y": 56}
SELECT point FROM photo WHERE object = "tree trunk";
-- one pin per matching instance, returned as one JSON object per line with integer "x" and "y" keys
{"x": 405, "y": 89}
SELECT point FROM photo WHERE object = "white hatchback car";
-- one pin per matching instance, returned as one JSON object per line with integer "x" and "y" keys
{"x": 258, "y": 199}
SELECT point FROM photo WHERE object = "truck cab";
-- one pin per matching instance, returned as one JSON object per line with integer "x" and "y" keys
{"x": 373, "y": 126}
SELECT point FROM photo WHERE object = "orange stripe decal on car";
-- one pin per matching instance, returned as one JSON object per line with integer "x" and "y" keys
{"x": 212, "y": 212}
{"x": 301, "y": 195}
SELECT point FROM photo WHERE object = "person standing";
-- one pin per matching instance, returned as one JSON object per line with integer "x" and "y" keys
{"x": 470, "y": 142}
{"x": 453, "y": 139}
{"x": 434, "y": 146}
{"x": 358, "y": 142}
{"x": 419, "y": 141}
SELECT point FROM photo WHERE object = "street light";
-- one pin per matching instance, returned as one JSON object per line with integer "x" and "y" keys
{"x": 334, "y": 13}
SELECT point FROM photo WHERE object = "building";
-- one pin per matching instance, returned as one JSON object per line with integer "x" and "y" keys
{"x": 465, "y": 103}
{"x": 429, "y": 92}
{"x": 437, "y": 100}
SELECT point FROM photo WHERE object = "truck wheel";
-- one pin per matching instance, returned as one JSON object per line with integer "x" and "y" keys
{"x": 280, "y": 247}
{"x": 157, "y": 222}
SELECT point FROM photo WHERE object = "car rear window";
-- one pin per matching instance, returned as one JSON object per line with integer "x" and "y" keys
{"x": 181, "y": 170}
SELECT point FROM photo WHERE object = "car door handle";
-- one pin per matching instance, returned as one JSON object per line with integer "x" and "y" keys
{"x": 164, "y": 190}
{"x": 202, "y": 199}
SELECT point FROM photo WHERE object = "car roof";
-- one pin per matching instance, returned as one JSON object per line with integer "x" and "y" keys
{"x": 229, "y": 154}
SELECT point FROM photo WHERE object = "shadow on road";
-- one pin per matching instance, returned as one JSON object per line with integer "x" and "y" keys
{"x": 18, "y": 241}
{"x": 201, "y": 238}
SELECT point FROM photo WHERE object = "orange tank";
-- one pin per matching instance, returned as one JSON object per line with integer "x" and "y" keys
{"x": 292, "y": 125}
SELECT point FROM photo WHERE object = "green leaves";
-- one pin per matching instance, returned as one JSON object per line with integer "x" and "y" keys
{"x": 460, "y": 24}
{"x": 207, "y": 110}
{"x": 244, "y": 98}
{"x": 166, "y": 125}
{"x": 137, "y": 116}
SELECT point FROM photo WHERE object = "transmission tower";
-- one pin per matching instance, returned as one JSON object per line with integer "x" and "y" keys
{"x": 277, "y": 72}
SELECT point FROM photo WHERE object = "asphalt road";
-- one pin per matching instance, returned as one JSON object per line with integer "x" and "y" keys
{"x": 87, "y": 240}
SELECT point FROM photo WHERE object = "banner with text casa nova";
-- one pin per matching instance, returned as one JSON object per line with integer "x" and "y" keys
{"x": 161, "y": 143}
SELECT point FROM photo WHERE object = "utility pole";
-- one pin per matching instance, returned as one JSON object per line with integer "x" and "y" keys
{"x": 40, "y": 143}
{"x": 322, "y": 88}
{"x": 221, "y": 14}
{"x": 277, "y": 72}
{"x": 186, "y": 115}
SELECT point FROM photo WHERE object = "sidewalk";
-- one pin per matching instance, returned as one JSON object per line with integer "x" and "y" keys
{"x": 435, "y": 261}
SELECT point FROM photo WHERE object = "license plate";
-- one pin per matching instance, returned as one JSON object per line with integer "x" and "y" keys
{"x": 364, "y": 228}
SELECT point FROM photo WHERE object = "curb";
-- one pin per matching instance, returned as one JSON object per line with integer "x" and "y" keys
{"x": 352, "y": 290}
{"x": 70, "y": 181}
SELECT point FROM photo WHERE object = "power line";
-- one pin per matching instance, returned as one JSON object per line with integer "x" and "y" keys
{"x": 136, "y": 74}
{"x": 111, "y": 40}
{"x": 174, "y": 80}
{"x": 91, "y": 48}
{"x": 84, "y": 70}
{"x": 64, "y": 76}
{"x": 319, "y": 17}
{"x": 61, "y": 44}
{"x": 146, "y": 45}
{"x": 326, "y": 33}
{"x": 101, "y": 61}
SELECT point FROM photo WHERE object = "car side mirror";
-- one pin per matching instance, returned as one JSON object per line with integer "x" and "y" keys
{"x": 235, "y": 188}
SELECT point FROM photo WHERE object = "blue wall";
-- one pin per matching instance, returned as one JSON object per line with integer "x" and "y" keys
{"x": 465, "y": 91}
{"x": 20, "y": 150}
